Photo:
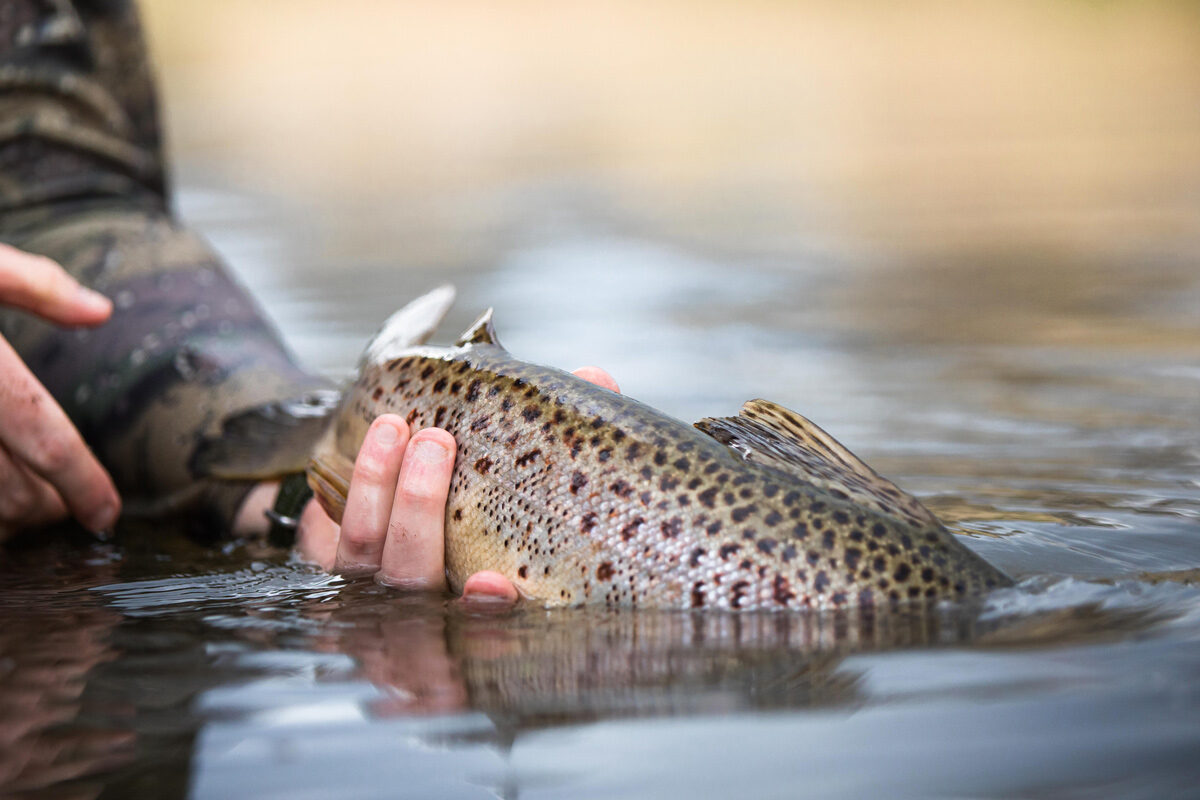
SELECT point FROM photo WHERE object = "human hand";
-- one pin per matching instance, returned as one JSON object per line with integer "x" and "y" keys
{"x": 46, "y": 469}
{"x": 394, "y": 523}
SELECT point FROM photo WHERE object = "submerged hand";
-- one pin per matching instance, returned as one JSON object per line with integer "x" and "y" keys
{"x": 46, "y": 470}
{"x": 394, "y": 523}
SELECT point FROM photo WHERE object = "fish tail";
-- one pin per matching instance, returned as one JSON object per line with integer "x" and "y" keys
{"x": 329, "y": 477}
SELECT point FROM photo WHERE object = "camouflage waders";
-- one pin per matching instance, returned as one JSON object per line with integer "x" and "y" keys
{"x": 82, "y": 181}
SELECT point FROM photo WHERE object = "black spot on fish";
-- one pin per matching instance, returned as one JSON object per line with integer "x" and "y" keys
{"x": 425, "y": 373}
{"x": 671, "y": 528}
{"x": 694, "y": 483}
{"x": 838, "y": 598}
{"x": 605, "y": 454}
{"x": 682, "y": 464}
{"x": 531, "y": 413}
{"x": 647, "y": 473}
{"x": 660, "y": 458}
{"x": 598, "y": 422}
{"x": 438, "y": 416}
{"x": 708, "y": 498}
{"x": 668, "y": 482}
{"x": 522, "y": 571}
{"x": 767, "y": 545}
{"x": 813, "y": 557}
{"x": 739, "y": 591}
{"x": 525, "y": 459}
{"x": 772, "y": 519}
{"x": 483, "y": 465}
{"x": 740, "y": 514}
{"x": 472, "y": 392}
{"x": 630, "y": 530}
{"x": 879, "y": 530}
{"x": 841, "y": 517}
{"x": 621, "y": 488}
{"x": 902, "y": 572}
{"x": 927, "y": 575}
{"x": 828, "y": 539}
{"x": 856, "y": 535}
{"x": 853, "y": 555}
{"x": 788, "y": 553}
{"x": 694, "y": 558}
{"x": 440, "y": 385}
{"x": 713, "y": 528}
{"x": 698, "y": 594}
{"x": 411, "y": 418}
{"x": 821, "y": 582}
{"x": 479, "y": 424}
{"x": 604, "y": 571}
{"x": 588, "y": 522}
{"x": 455, "y": 387}
{"x": 782, "y": 591}
{"x": 457, "y": 514}
{"x": 711, "y": 468}
{"x": 578, "y": 481}
{"x": 728, "y": 549}
{"x": 378, "y": 393}
{"x": 633, "y": 451}
{"x": 800, "y": 531}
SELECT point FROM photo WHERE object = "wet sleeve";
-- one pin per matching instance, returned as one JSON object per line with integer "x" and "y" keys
{"x": 82, "y": 181}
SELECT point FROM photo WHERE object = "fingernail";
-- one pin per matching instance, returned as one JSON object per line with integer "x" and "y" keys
{"x": 103, "y": 520}
{"x": 429, "y": 451}
{"x": 386, "y": 435}
{"x": 92, "y": 300}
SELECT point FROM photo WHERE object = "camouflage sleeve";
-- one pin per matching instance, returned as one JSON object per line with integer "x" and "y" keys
{"x": 82, "y": 181}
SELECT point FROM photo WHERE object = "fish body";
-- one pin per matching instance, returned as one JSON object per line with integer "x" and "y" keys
{"x": 581, "y": 495}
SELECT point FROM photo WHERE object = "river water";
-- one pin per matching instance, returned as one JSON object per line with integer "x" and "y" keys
{"x": 1008, "y": 327}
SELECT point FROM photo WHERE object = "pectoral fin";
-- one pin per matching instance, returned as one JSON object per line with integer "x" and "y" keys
{"x": 769, "y": 434}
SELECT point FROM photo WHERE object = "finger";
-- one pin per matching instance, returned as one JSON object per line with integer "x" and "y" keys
{"x": 317, "y": 537}
{"x": 489, "y": 587}
{"x": 38, "y": 284}
{"x": 599, "y": 377}
{"x": 25, "y": 499}
{"x": 369, "y": 501}
{"x": 414, "y": 556}
{"x": 39, "y": 436}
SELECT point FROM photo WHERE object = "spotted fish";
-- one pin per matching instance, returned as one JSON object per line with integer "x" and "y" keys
{"x": 584, "y": 496}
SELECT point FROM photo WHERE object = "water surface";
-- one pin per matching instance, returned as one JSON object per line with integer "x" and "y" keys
{"x": 990, "y": 291}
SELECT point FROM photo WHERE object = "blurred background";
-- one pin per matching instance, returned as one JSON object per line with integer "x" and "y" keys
{"x": 997, "y": 155}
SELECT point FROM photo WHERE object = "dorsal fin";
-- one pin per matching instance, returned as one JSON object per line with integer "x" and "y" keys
{"x": 769, "y": 434}
{"x": 480, "y": 332}
{"x": 411, "y": 325}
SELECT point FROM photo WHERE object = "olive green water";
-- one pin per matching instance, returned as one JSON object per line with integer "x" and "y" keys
{"x": 965, "y": 243}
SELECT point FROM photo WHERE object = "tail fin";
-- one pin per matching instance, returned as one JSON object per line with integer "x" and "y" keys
{"x": 329, "y": 477}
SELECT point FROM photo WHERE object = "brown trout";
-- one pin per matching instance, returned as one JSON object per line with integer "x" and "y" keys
{"x": 584, "y": 496}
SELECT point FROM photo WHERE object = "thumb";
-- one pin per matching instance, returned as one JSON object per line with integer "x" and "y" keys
{"x": 39, "y": 285}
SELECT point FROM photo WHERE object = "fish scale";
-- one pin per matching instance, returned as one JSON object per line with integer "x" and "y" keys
{"x": 581, "y": 495}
